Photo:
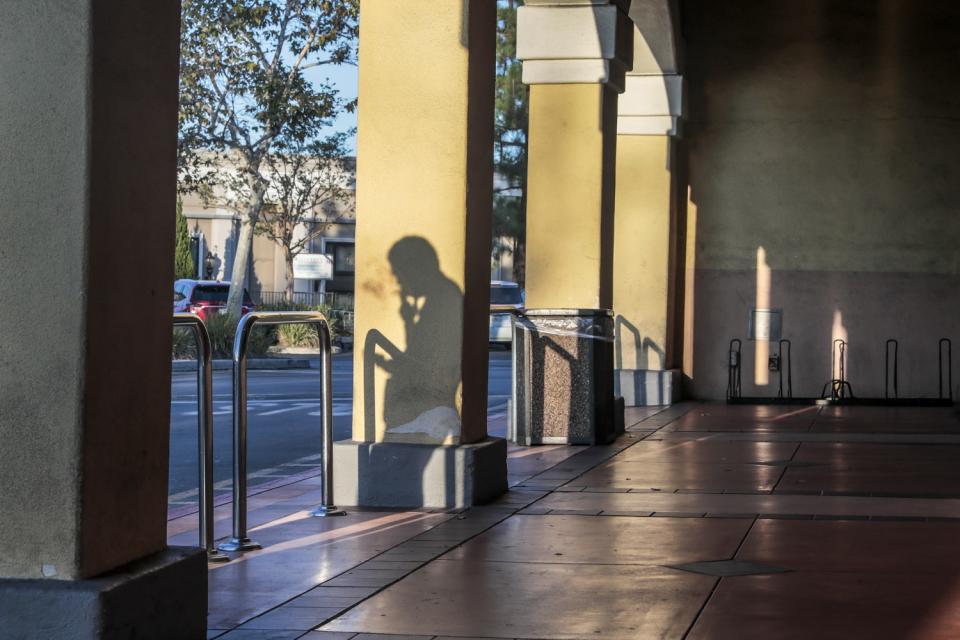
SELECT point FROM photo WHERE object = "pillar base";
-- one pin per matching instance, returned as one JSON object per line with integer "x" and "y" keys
{"x": 563, "y": 380}
{"x": 389, "y": 474}
{"x": 648, "y": 387}
{"x": 160, "y": 597}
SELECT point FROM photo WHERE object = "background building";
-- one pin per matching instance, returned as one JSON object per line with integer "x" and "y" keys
{"x": 333, "y": 227}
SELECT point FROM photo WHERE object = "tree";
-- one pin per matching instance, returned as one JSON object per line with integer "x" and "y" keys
{"x": 308, "y": 194}
{"x": 244, "y": 97}
{"x": 510, "y": 141}
{"x": 183, "y": 266}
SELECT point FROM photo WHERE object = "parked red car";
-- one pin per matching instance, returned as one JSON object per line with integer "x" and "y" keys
{"x": 205, "y": 297}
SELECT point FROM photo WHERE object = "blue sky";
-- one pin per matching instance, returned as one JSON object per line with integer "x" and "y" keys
{"x": 344, "y": 77}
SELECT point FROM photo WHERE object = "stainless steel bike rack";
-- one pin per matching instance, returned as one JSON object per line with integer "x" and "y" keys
{"x": 785, "y": 363}
{"x": 239, "y": 541}
{"x": 205, "y": 420}
{"x": 896, "y": 368}
{"x": 733, "y": 370}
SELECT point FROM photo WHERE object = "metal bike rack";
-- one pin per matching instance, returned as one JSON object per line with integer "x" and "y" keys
{"x": 839, "y": 385}
{"x": 733, "y": 370}
{"x": 949, "y": 344}
{"x": 239, "y": 541}
{"x": 205, "y": 420}
{"x": 785, "y": 364}
{"x": 886, "y": 369}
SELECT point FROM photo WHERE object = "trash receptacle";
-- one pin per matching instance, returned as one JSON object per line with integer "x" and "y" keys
{"x": 563, "y": 377}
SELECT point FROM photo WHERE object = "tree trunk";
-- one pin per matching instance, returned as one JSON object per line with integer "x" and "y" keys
{"x": 289, "y": 290}
{"x": 241, "y": 258}
{"x": 241, "y": 261}
{"x": 520, "y": 262}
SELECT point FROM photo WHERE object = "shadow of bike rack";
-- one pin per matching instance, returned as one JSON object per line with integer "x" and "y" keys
{"x": 205, "y": 424}
{"x": 239, "y": 540}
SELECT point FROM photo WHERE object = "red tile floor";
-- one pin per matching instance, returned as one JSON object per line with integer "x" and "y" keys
{"x": 703, "y": 521}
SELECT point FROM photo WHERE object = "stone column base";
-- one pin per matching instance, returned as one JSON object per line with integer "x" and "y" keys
{"x": 157, "y": 598}
{"x": 390, "y": 474}
{"x": 563, "y": 377}
{"x": 647, "y": 387}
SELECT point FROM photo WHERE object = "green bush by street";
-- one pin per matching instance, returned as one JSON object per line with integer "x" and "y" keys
{"x": 222, "y": 329}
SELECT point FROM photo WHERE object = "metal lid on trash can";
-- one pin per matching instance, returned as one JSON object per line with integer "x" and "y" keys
{"x": 567, "y": 313}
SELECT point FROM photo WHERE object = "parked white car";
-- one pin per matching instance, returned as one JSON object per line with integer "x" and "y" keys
{"x": 506, "y": 298}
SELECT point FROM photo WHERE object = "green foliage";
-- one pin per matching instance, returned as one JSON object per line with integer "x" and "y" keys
{"x": 245, "y": 96}
{"x": 341, "y": 323}
{"x": 184, "y": 344}
{"x": 510, "y": 135}
{"x": 222, "y": 329}
{"x": 183, "y": 266}
{"x": 295, "y": 306}
{"x": 298, "y": 335}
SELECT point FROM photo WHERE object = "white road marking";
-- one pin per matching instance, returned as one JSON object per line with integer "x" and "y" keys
{"x": 296, "y": 407}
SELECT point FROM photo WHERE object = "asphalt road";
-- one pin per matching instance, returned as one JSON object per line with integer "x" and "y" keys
{"x": 283, "y": 422}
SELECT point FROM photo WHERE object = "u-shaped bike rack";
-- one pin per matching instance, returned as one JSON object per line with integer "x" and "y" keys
{"x": 205, "y": 420}
{"x": 239, "y": 541}
{"x": 733, "y": 370}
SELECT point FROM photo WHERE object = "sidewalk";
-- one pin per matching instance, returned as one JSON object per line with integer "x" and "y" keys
{"x": 703, "y": 521}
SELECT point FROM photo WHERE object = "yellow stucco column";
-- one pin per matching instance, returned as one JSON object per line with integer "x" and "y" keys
{"x": 643, "y": 265}
{"x": 424, "y": 197}
{"x": 424, "y": 185}
{"x": 647, "y": 198}
{"x": 570, "y": 188}
{"x": 574, "y": 60}
{"x": 648, "y": 206}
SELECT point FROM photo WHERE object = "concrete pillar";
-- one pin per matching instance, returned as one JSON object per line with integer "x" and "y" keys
{"x": 88, "y": 131}
{"x": 650, "y": 207}
{"x": 424, "y": 196}
{"x": 646, "y": 240}
{"x": 574, "y": 57}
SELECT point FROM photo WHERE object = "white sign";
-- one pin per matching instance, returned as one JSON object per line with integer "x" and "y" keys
{"x": 313, "y": 266}
{"x": 765, "y": 324}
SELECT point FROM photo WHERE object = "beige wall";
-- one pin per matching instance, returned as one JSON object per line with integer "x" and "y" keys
{"x": 823, "y": 136}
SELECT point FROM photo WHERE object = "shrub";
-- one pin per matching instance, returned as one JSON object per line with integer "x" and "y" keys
{"x": 298, "y": 335}
{"x": 183, "y": 266}
{"x": 184, "y": 344}
{"x": 222, "y": 329}
{"x": 295, "y": 335}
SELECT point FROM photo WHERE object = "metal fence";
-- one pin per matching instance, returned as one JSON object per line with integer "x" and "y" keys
{"x": 333, "y": 300}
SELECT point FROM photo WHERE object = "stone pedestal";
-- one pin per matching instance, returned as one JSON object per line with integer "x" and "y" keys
{"x": 158, "y": 598}
{"x": 563, "y": 377}
{"x": 647, "y": 387}
{"x": 391, "y": 474}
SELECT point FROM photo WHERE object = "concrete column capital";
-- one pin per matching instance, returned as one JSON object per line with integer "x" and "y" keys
{"x": 574, "y": 42}
{"x": 650, "y": 105}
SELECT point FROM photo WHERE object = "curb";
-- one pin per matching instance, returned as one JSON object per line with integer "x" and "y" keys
{"x": 252, "y": 364}
{"x": 263, "y": 364}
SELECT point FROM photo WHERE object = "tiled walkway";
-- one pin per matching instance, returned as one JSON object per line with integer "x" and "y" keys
{"x": 703, "y": 521}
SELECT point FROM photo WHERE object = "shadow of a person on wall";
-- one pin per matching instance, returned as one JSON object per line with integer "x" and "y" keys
{"x": 419, "y": 402}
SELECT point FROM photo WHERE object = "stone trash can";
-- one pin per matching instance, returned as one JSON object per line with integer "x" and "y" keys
{"x": 563, "y": 378}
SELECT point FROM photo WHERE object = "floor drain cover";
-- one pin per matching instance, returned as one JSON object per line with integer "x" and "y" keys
{"x": 727, "y": 568}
